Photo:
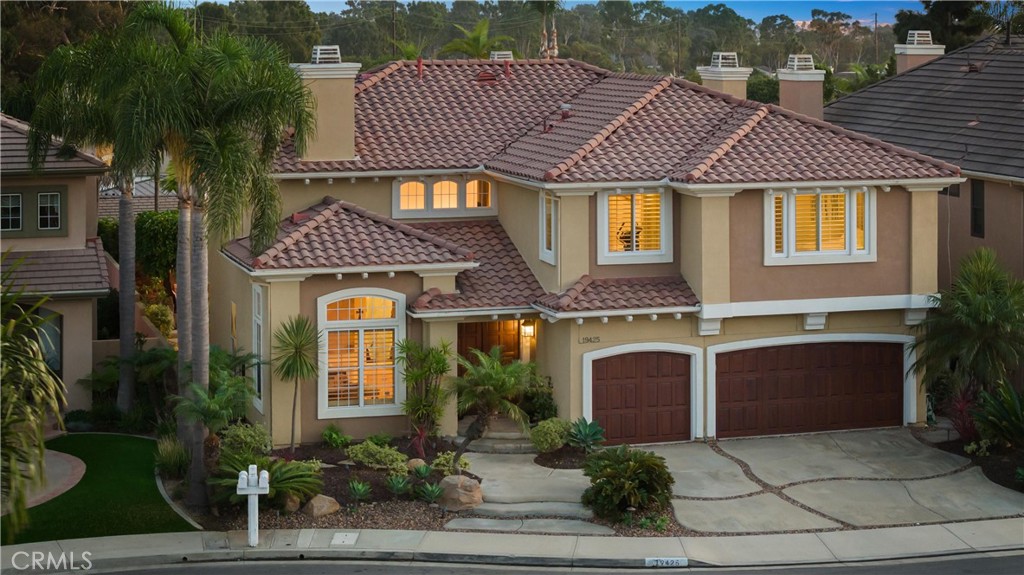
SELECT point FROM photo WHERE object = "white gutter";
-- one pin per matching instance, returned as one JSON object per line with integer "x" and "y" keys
{"x": 646, "y": 311}
{"x": 910, "y": 184}
{"x": 431, "y": 269}
{"x": 988, "y": 176}
{"x": 452, "y": 313}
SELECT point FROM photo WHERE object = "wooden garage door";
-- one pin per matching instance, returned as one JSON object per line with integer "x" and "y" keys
{"x": 643, "y": 397}
{"x": 811, "y": 387}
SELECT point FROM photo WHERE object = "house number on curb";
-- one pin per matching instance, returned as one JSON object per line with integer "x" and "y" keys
{"x": 666, "y": 562}
{"x": 589, "y": 339}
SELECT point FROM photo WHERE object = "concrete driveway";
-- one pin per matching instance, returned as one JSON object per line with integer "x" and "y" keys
{"x": 827, "y": 481}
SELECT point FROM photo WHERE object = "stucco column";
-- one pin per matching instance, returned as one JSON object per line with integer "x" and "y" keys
{"x": 574, "y": 239}
{"x": 282, "y": 303}
{"x": 704, "y": 260}
{"x": 924, "y": 234}
{"x": 436, "y": 333}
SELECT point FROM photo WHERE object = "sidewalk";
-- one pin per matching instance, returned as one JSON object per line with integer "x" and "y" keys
{"x": 537, "y": 550}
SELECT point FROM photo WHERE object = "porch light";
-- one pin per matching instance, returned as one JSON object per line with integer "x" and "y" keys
{"x": 529, "y": 328}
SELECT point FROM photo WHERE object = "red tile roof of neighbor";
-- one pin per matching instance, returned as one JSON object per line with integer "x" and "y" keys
{"x": 565, "y": 121}
{"x": 61, "y": 272}
{"x": 606, "y": 294}
{"x": 14, "y": 152}
{"x": 336, "y": 234}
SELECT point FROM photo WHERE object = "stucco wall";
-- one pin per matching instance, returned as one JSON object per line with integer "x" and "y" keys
{"x": 79, "y": 331}
{"x": 751, "y": 280}
{"x": 79, "y": 218}
{"x": 518, "y": 212}
{"x": 632, "y": 270}
{"x": 1004, "y": 228}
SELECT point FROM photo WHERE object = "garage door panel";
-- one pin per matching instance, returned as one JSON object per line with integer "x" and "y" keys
{"x": 648, "y": 397}
{"x": 810, "y": 387}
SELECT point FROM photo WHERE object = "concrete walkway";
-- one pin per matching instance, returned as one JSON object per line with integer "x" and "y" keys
{"x": 63, "y": 472}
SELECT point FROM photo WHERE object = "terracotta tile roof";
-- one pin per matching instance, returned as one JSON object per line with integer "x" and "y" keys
{"x": 336, "y": 234}
{"x": 502, "y": 280}
{"x": 14, "y": 152}
{"x": 61, "y": 272}
{"x": 609, "y": 294}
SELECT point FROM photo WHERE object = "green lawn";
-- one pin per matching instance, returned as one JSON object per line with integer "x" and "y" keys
{"x": 117, "y": 495}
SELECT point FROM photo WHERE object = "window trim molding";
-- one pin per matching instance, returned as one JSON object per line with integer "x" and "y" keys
{"x": 545, "y": 255}
{"x": 260, "y": 291}
{"x": 30, "y": 211}
{"x": 606, "y": 257}
{"x": 325, "y": 412}
{"x": 849, "y": 256}
{"x": 429, "y": 211}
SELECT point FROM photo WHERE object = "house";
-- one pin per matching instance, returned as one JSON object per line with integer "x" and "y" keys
{"x": 965, "y": 107}
{"x": 48, "y": 221}
{"x": 680, "y": 263}
{"x": 143, "y": 199}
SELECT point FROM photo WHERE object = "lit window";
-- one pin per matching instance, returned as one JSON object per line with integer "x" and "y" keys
{"x": 49, "y": 211}
{"x": 548, "y": 226}
{"x": 820, "y": 224}
{"x": 478, "y": 194}
{"x": 360, "y": 376}
{"x": 635, "y": 227}
{"x": 10, "y": 212}
{"x": 446, "y": 195}
{"x": 412, "y": 195}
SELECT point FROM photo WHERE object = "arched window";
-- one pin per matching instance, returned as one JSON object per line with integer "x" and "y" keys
{"x": 478, "y": 194}
{"x": 412, "y": 195}
{"x": 359, "y": 375}
{"x": 446, "y": 195}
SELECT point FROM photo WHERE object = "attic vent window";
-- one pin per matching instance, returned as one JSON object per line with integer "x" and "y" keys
{"x": 502, "y": 55}
{"x": 725, "y": 60}
{"x": 919, "y": 38}
{"x": 486, "y": 78}
{"x": 326, "y": 55}
{"x": 800, "y": 62}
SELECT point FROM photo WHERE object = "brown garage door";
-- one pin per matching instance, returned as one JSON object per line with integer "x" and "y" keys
{"x": 811, "y": 387}
{"x": 643, "y": 397}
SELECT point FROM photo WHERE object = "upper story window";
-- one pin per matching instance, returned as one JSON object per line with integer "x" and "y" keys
{"x": 10, "y": 212}
{"x": 443, "y": 196}
{"x": 359, "y": 374}
{"x": 548, "y": 227}
{"x": 634, "y": 227}
{"x": 819, "y": 227}
{"x": 49, "y": 211}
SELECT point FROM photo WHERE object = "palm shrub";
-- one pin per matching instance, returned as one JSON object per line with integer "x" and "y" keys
{"x": 1000, "y": 415}
{"x": 225, "y": 401}
{"x": 301, "y": 479}
{"x": 624, "y": 479}
{"x": 172, "y": 459}
{"x": 476, "y": 43}
{"x": 425, "y": 368}
{"x": 586, "y": 435}
{"x": 550, "y": 434}
{"x": 296, "y": 344}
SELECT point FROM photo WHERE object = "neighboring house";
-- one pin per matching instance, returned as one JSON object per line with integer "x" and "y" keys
{"x": 679, "y": 262}
{"x": 48, "y": 220}
{"x": 142, "y": 199}
{"x": 965, "y": 107}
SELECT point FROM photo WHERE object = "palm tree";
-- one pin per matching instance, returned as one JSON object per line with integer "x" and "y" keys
{"x": 489, "y": 388}
{"x": 296, "y": 344}
{"x": 976, "y": 334}
{"x": 476, "y": 43}
{"x": 29, "y": 394}
{"x": 544, "y": 8}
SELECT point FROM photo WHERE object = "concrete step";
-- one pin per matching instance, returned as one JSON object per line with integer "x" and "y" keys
{"x": 490, "y": 445}
{"x": 551, "y": 508}
{"x": 557, "y": 526}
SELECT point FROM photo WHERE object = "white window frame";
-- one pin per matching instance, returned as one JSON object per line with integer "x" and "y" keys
{"x": 39, "y": 205}
{"x": 546, "y": 255}
{"x": 789, "y": 255}
{"x": 428, "y": 210}
{"x": 21, "y": 213}
{"x": 323, "y": 326}
{"x": 607, "y": 257}
{"x": 259, "y": 343}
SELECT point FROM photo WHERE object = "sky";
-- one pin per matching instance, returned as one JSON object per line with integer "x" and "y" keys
{"x": 862, "y": 10}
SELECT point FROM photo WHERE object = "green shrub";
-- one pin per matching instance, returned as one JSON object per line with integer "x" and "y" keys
{"x": 172, "y": 458}
{"x": 397, "y": 484}
{"x": 550, "y": 434}
{"x": 359, "y": 490}
{"x": 380, "y": 439}
{"x": 162, "y": 318}
{"x": 586, "y": 435}
{"x": 445, "y": 462}
{"x": 430, "y": 492}
{"x": 301, "y": 479}
{"x": 107, "y": 229}
{"x": 1000, "y": 415}
{"x": 333, "y": 437}
{"x": 248, "y": 440}
{"x": 138, "y": 419}
{"x": 105, "y": 415}
{"x": 622, "y": 478}
{"x": 422, "y": 472}
{"x": 370, "y": 454}
{"x": 539, "y": 403}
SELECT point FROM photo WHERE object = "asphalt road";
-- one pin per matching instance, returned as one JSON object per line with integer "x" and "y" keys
{"x": 984, "y": 564}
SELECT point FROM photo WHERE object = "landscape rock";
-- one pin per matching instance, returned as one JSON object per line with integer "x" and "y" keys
{"x": 321, "y": 505}
{"x": 414, "y": 463}
{"x": 291, "y": 503}
{"x": 460, "y": 493}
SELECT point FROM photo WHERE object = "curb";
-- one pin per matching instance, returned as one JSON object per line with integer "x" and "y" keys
{"x": 170, "y": 502}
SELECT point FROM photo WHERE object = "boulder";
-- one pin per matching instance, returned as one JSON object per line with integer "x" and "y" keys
{"x": 321, "y": 505}
{"x": 460, "y": 493}
{"x": 414, "y": 463}
{"x": 292, "y": 503}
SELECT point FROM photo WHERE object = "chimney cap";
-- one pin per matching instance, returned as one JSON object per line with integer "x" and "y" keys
{"x": 800, "y": 62}
{"x": 919, "y": 38}
{"x": 725, "y": 60}
{"x": 502, "y": 55}
{"x": 326, "y": 55}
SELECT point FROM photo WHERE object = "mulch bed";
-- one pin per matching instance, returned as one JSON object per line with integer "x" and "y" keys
{"x": 565, "y": 457}
{"x": 1000, "y": 466}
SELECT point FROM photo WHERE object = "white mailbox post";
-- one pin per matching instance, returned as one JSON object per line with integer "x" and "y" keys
{"x": 253, "y": 485}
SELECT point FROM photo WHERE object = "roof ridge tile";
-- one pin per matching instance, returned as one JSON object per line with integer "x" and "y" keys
{"x": 702, "y": 167}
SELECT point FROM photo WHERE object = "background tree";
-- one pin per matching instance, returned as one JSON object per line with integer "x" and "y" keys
{"x": 476, "y": 43}
{"x": 952, "y": 23}
{"x": 763, "y": 88}
{"x": 296, "y": 344}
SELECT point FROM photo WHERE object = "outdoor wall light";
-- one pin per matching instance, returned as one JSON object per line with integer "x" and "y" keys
{"x": 529, "y": 328}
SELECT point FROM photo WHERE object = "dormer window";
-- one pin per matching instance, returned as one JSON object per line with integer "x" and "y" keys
{"x": 444, "y": 196}
{"x": 635, "y": 227}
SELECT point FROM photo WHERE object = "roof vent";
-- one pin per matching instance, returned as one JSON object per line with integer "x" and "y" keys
{"x": 919, "y": 38}
{"x": 725, "y": 60}
{"x": 800, "y": 62}
{"x": 326, "y": 55}
{"x": 502, "y": 55}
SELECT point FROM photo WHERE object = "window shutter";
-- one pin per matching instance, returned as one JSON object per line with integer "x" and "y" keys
{"x": 779, "y": 204}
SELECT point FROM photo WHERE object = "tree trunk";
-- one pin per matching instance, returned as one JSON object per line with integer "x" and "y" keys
{"x": 183, "y": 309}
{"x": 474, "y": 432}
{"x": 295, "y": 404}
{"x": 197, "y": 495}
{"x": 126, "y": 297}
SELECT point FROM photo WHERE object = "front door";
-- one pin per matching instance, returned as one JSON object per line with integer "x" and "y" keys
{"x": 485, "y": 335}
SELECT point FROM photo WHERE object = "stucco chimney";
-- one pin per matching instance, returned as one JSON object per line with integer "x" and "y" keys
{"x": 333, "y": 85}
{"x": 918, "y": 50}
{"x": 801, "y": 87}
{"x": 725, "y": 75}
